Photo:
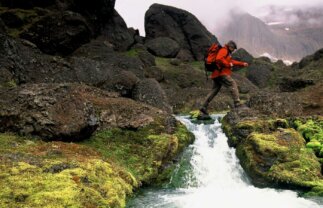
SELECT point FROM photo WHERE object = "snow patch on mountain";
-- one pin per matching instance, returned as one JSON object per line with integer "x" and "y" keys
{"x": 274, "y": 59}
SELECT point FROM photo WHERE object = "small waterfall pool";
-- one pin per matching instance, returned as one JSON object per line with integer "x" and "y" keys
{"x": 209, "y": 175}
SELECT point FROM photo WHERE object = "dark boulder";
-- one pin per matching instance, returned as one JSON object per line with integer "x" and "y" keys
{"x": 292, "y": 85}
{"x": 117, "y": 33}
{"x": 59, "y": 33}
{"x": 98, "y": 50}
{"x": 98, "y": 10}
{"x": 185, "y": 56}
{"x": 136, "y": 36}
{"x": 6, "y": 77}
{"x": 305, "y": 61}
{"x": 147, "y": 59}
{"x": 149, "y": 91}
{"x": 28, "y": 65}
{"x": 154, "y": 72}
{"x": 242, "y": 55}
{"x": 259, "y": 74}
{"x": 91, "y": 72}
{"x": 179, "y": 25}
{"x": 123, "y": 82}
{"x": 3, "y": 28}
{"x": 309, "y": 59}
{"x": 24, "y": 64}
{"x": 11, "y": 19}
{"x": 318, "y": 55}
{"x": 277, "y": 104}
{"x": 102, "y": 51}
{"x": 54, "y": 112}
{"x": 244, "y": 84}
{"x": 26, "y": 4}
{"x": 163, "y": 47}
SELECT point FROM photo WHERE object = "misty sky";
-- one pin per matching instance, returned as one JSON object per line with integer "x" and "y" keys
{"x": 212, "y": 13}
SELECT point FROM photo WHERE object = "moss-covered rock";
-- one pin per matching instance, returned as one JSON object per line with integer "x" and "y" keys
{"x": 240, "y": 130}
{"x": 144, "y": 152}
{"x": 275, "y": 155}
{"x": 99, "y": 172}
{"x": 312, "y": 131}
{"x": 38, "y": 174}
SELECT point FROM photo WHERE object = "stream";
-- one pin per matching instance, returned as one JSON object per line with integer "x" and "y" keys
{"x": 209, "y": 175}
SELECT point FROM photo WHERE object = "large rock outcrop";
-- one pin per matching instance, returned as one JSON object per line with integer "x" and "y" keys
{"x": 59, "y": 33}
{"x": 50, "y": 111}
{"x": 60, "y": 27}
{"x": 179, "y": 25}
{"x": 69, "y": 112}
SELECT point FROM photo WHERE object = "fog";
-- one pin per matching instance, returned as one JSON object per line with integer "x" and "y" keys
{"x": 214, "y": 14}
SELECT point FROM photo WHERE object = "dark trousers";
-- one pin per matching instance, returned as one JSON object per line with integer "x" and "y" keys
{"x": 226, "y": 81}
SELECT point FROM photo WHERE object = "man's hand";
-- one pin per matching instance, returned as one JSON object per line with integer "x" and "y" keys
{"x": 245, "y": 64}
{"x": 231, "y": 64}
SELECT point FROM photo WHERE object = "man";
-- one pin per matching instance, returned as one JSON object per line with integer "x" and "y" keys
{"x": 222, "y": 76}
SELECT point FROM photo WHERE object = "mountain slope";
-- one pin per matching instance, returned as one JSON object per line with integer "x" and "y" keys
{"x": 279, "y": 40}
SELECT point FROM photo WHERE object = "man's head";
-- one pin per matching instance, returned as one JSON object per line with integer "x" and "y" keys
{"x": 232, "y": 45}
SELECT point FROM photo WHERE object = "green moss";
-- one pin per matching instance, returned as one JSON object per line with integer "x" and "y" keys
{"x": 199, "y": 65}
{"x": 9, "y": 84}
{"x": 99, "y": 172}
{"x": 251, "y": 125}
{"x": 163, "y": 62}
{"x": 141, "y": 151}
{"x": 312, "y": 131}
{"x": 93, "y": 183}
{"x": 132, "y": 53}
{"x": 194, "y": 114}
{"x": 77, "y": 177}
{"x": 302, "y": 168}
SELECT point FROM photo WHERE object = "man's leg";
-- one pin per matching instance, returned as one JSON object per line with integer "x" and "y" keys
{"x": 233, "y": 87}
{"x": 215, "y": 89}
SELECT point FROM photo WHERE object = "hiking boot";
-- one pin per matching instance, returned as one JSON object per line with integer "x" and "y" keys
{"x": 204, "y": 111}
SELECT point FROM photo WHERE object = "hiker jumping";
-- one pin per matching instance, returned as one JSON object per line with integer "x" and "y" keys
{"x": 222, "y": 75}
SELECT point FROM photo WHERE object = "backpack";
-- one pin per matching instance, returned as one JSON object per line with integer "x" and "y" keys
{"x": 210, "y": 56}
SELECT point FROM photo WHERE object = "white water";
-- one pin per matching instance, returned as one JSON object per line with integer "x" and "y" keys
{"x": 215, "y": 179}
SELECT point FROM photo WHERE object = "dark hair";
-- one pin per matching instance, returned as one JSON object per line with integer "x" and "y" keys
{"x": 232, "y": 44}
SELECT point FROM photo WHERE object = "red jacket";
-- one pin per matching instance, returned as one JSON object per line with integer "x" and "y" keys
{"x": 224, "y": 60}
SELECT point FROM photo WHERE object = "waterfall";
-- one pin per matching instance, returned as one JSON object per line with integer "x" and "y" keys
{"x": 209, "y": 175}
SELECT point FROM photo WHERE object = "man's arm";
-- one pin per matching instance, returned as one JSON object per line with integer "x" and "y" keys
{"x": 239, "y": 63}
